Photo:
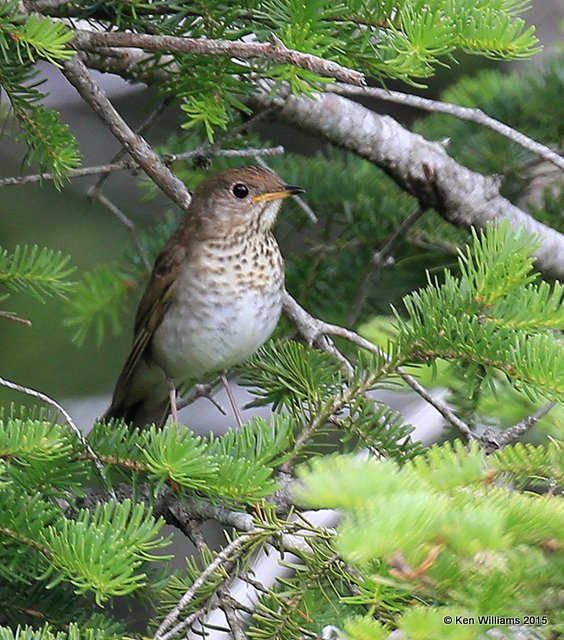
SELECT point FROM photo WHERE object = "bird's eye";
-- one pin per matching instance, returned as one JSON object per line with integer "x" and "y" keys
{"x": 240, "y": 190}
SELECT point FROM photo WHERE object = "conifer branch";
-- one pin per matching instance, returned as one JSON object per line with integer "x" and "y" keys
{"x": 314, "y": 332}
{"x": 275, "y": 50}
{"x": 64, "y": 413}
{"x": 462, "y": 113}
{"x": 166, "y": 630}
{"x": 463, "y": 197}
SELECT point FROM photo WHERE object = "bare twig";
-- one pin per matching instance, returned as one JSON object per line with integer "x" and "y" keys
{"x": 462, "y": 113}
{"x": 79, "y": 76}
{"x": 188, "y": 508}
{"x": 96, "y": 194}
{"x": 50, "y": 401}
{"x": 201, "y": 391}
{"x": 379, "y": 260}
{"x": 493, "y": 441}
{"x": 165, "y": 632}
{"x": 129, "y": 164}
{"x": 74, "y": 173}
{"x": 226, "y": 604}
{"x": 44, "y": 5}
{"x": 225, "y": 153}
{"x": 275, "y": 51}
{"x": 312, "y": 329}
{"x": 8, "y": 315}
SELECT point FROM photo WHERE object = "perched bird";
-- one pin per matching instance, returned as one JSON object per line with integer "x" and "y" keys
{"x": 214, "y": 296}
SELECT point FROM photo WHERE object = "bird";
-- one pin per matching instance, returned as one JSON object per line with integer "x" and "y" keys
{"x": 213, "y": 298}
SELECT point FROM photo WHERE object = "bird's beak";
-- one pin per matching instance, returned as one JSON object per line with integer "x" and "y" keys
{"x": 286, "y": 192}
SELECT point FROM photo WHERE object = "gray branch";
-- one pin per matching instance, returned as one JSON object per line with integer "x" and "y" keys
{"x": 420, "y": 167}
{"x": 462, "y": 113}
{"x": 78, "y": 75}
{"x": 493, "y": 441}
{"x": 128, "y": 164}
{"x": 274, "y": 50}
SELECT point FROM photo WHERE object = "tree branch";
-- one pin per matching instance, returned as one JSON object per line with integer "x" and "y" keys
{"x": 165, "y": 632}
{"x": 274, "y": 50}
{"x": 455, "y": 110}
{"x": 129, "y": 164}
{"x": 379, "y": 260}
{"x": 493, "y": 441}
{"x": 79, "y": 76}
{"x": 313, "y": 330}
{"x": 420, "y": 167}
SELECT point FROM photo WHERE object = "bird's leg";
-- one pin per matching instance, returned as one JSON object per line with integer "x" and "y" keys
{"x": 231, "y": 397}
{"x": 172, "y": 400}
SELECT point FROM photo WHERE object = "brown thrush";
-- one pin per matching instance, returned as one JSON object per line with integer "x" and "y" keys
{"x": 214, "y": 296}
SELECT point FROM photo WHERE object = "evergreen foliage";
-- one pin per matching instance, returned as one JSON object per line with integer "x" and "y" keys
{"x": 447, "y": 529}
{"x": 39, "y": 272}
{"x": 426, "y": 532}
{"x": 444, "y": 525}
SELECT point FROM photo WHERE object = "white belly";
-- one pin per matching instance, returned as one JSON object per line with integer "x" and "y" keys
{"x": 202, "y": 335}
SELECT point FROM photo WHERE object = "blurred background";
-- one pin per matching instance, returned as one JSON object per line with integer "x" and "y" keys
{"x": 43, "y": 356}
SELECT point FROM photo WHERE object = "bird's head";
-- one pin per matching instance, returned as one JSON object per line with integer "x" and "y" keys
{"x": 238, "y": 199}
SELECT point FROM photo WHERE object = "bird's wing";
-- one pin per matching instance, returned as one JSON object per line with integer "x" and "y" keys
{"x": 152, "y": 308}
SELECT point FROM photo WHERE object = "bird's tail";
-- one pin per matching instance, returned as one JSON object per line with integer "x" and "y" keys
{"x": 140, "y": 414}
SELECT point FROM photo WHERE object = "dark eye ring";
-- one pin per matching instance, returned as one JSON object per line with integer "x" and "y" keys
{"x": 240, "y": 190}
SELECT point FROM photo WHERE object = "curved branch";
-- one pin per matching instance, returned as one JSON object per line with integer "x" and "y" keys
{"x": 462, "y": 113}
{"x": 78, "y": 75}
{"x": 274, "y": 50}
{"x": 420, "y": 167}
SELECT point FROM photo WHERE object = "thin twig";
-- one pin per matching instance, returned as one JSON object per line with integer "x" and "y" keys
{"x": 165, "y": 632}
{"x": 227, "y": 606}
{"x": 96, "y": 194}
{"x": 225, "y": 153}
{"x": 312, "y": 328}
{"x": 129, "y": 164}
{"x": 201, "y": 391}
{"x": 45, "y": 398}
{"x": 275, "y": 50}
{"x": 493, "y": 441}
{"x": 45, "y": 5}
{"x": 8, "y": 315}
{"x": 74, "y": 173}
{"x": 462, "y": 113}
{"x": 379, "y": 260}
